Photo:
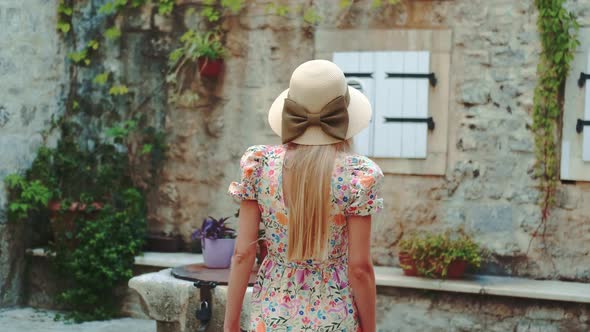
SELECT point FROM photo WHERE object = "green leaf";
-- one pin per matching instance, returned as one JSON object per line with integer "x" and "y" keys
{"x": 282, "y": 10}
{"x": 108, "y": 8}
{"x": 147, "y": 148}
{"x": 102, "y": 78}
{"x": 112, "y": 33}
{"x": 344, "y": 4}
{"x": 234, "y": 5}
{"x": 175, "y": 56}
{"x": 118, "y": 90}
{"x": 310, "y": 16}
{"x": 64, "y": 27}
{"x": 376, "y": 4}
{"x": 93, "y": 44}
{"x": 75, "y": 105}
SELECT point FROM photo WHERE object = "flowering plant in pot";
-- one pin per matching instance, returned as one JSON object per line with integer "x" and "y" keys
{"x": 217, "y": 241}
{"x": 204, "y": 48}
{"x": 445, "y": 255}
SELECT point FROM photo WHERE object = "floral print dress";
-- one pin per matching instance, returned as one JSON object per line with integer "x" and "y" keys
{"x": 305, "y": 295}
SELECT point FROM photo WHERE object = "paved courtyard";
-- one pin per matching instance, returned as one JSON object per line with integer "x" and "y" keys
{"x": 35, "y": 320}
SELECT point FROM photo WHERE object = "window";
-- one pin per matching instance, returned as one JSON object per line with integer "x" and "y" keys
{"x": 575, "y": 144}
{"x": 383, "y": 63}
{"x": 397, "y": 84}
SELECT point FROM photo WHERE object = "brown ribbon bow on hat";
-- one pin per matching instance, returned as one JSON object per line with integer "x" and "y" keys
{"x": 333, "y": 118}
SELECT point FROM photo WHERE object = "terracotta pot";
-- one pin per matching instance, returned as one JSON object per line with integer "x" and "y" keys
{"x": 407, "y": 264}
{"x": 210, "y": 67}
{"x": 63, "y": 222}
{"x": 455, "y": 270}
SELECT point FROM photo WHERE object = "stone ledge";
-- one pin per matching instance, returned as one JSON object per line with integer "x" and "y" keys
{"x": 393, "y": 277}
{"x": 490, "y": 285}
{"x": 148, "y": 258}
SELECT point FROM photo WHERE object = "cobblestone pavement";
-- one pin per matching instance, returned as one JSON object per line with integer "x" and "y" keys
{"x": 34, "y": 320}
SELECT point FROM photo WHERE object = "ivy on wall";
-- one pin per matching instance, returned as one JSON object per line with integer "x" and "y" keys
{"x": 558, "y": 30}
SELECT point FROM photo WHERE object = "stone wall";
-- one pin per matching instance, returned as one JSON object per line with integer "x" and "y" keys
{"x": 487, "y": 188}
{"x": 31, "y": 91}
{"x": 402, "y": 309}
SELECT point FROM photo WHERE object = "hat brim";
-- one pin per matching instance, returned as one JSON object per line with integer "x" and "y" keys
{"x": 359, "y": 116}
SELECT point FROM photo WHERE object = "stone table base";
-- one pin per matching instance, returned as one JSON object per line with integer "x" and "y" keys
{"x": 173, "y": 302}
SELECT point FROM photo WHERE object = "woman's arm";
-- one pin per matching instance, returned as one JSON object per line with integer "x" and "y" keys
{"x": 242, "y": 262}
{"x": 360, "y": 270}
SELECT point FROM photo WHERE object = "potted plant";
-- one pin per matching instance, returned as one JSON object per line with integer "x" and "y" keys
{"x": 217, "y": 241}
{"x": 206, "y": 49}
{"x": 445, "y": 255}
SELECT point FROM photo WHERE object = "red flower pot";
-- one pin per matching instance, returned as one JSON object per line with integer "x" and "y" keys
{"x": 407, "y": 264}
{"x": 455, "y": 270}
{"x": 210, "y": 67}
{"x": 63, "y": 222}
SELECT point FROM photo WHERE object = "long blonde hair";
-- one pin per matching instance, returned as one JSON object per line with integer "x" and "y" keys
{"x": 308, "y": 173}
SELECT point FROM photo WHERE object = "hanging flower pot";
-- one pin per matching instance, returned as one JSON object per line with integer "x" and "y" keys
{"x": 210, "y": 67}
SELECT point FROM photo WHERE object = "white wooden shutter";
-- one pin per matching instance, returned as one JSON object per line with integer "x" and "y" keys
{"x": 586, "y": 132}
{"x": 359, "y": 70}
{"x": 401, "y": 98}
{"x": 575, "y": 146}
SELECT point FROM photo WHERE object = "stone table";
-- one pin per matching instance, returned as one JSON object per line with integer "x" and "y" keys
{"x": 172, "y": 302}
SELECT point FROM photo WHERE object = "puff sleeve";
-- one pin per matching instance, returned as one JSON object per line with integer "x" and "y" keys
{"x": 251, "y": 168}
{"x": 365, "y": 185}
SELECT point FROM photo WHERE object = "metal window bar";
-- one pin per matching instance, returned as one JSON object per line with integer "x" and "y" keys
{"x": 429, "y": 121}
{"x": 431, "y": 77}
{"x": 580, "y": 124}
{"x": 582, "y": 79}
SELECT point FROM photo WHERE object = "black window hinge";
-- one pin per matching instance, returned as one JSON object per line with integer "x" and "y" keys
{"x": 582, "y": 79}
{"x": 429, "y": 121}
{"x": 431, "y": 77}
{"x": 580, "y": 124}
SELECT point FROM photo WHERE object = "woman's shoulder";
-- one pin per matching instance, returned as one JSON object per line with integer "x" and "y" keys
{"x": 361, "y": 165}
{"x": 259, "y": 152}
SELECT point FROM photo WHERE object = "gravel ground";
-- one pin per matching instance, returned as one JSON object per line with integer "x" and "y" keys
{"x": 35, "y": 320}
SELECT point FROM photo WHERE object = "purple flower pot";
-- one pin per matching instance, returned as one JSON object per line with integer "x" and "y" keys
{"x": 217, "y": 253}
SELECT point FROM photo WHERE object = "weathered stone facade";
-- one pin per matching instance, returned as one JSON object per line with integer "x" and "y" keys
{"x": 487, "y": 188}
{"x": 33, "y": 76}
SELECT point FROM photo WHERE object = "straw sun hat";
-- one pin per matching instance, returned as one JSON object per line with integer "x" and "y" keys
{"x": 319, "y": 107}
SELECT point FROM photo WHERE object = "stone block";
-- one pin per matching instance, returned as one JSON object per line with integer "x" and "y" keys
{"x": 490, "y": 218}
{"x": 475, "y": 93}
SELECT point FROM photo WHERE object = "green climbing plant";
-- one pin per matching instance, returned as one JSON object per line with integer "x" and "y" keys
{"x": 558, "y": 30}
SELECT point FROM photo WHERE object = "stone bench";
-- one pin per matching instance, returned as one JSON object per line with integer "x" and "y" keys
{"x": 477, "y": 303}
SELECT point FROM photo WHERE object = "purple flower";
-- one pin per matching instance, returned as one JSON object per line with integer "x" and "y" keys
{"x": 214, "y": 229}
